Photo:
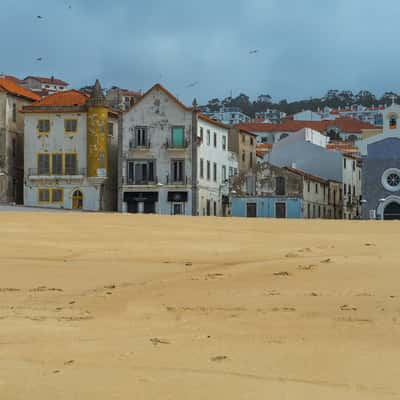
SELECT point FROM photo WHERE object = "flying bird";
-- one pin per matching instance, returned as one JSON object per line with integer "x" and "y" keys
{"x": 192, "y": 84}
{"x": 254, "y": 51}
{"x": 39, "y": 17}
{"x": 39, "y": 59}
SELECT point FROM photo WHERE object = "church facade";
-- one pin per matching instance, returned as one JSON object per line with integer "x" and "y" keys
{"x": 381, "y": 169}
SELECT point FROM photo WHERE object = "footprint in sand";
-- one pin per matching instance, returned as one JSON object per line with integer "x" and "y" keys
{"x": 327, "y": 261}
{"x": 370, "y": 244}
{"x": 70, "y": 362}
{"x": 110, "y": 287}
{"x": 219, "y": 358}
{"x": 291, "y": 255}
{"x": 346, "y": 307}
{"x": 306, "y": 267}
{"x": 282, "y": 273}
{"x": 157, "y": 341}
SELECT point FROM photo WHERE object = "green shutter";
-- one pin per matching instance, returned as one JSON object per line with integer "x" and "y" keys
{"x": 177, "y": 137}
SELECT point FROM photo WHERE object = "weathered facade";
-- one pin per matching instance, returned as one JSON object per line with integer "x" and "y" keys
{"x": 71, "y": 152}
{"x": 173, "y": 159}
{"x": 122, "y": 99}
{"x": 277, "y": 192}
{"x": 244, "y": 144}
{"x": 12, "y": 99}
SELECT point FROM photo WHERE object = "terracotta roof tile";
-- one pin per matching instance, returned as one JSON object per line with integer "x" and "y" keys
{"x": 69, "y": 98}
{"x": 306, "y": 175}
{"x": 346, "y": 125}
{"x": 9, "y": 85}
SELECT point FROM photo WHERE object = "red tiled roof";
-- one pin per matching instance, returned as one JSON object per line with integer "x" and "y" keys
{"x": 262, "y": 146}
{"x": 9, "y": 85}
{"x": 346, "y": 125}
{"x": 51, "y": 81}
{"x": 306, "y": 175}
{"x": 69, "y": 98}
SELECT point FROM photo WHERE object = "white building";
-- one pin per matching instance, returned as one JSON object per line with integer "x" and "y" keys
{"x": 229, "y": 116}
{"x": 307, "y": 115}
{"x": 71, "y": 152}
{"x": 331, "y": 165}
{"x": 173, "y": 160}
{"x": 44, "y": 85}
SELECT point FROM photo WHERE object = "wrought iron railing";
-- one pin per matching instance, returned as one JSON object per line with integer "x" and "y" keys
{"x": 64, "y": 172}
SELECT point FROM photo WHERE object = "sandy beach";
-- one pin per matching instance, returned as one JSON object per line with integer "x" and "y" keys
{"x": 108, "y": 306}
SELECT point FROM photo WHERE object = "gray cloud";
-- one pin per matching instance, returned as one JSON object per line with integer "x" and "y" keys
{"x": 306, "y": 47}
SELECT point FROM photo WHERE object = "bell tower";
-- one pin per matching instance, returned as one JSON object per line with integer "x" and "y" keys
{"x": 97, "y": 127}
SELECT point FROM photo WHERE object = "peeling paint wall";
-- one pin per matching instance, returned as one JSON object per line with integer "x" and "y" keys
{"x": 11, "y": 148}
{"x": 158, "y": 113}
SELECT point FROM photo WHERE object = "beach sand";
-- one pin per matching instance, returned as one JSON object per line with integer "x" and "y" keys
{"x": 108, "y": 306}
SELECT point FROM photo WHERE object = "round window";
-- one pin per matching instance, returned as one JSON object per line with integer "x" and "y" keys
{"x": 391, "y": 179}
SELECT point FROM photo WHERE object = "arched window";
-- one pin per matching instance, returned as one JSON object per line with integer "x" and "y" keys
{"x": 283, "y": 136}
{"x": 393, "y": 122}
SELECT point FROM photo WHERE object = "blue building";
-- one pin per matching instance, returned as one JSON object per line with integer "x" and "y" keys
{"x": 267, "y": 207}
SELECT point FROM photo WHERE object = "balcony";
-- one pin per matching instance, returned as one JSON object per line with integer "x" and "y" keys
{"x": 134, "y": 146}
{"x": 68, "y": 173}
{"x": 177, "y": 146}
{"x": 167, "y": 181}
{"x": 130, "y": 181}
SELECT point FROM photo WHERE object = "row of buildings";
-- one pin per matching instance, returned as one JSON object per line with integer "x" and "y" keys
{"x": 150, "y": 153}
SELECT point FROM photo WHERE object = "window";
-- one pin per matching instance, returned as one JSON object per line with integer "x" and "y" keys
{"x": 215, "y": 139}
{"x": 43, "y": 163}
{"x": 71, "y": 164}
{"x": 393, "y": 122}
{"x": 140, "y": 172}
{"x": 215, "y": 172}
{"x": 319, "y": 211}
{"x": 208, "y": 207}
{"x": 201, "y": 134}
{"x": 57, "y": 195}
{"x": 215, "y": 208}
{"x": 223, "y": 174}
{"x": 345, "y": 163}
{"x": 223, "y": 142}
{"x": 177, "y": 136}
{"x": 71, "y": 125}
{"x": 141, "y": 136}
{"x": 44, "y": 195}
{"x": 308, "y": 211}
{"x": 230, "y": 171}
{"x": 308, "y": 187}
{"x": 243, "y": 139}
{"x": 14, "y": 112}
{"x": 251, "y": 141}
{"x": 14, "y": 147}
{"x": 251, "y": 160}
{"x": 201, "y": 168}
{"x": 208, "y": 170}
{"x": 57, "y": 164}
{"x": 316, "y": 188}
{"x": 243, "y": 156}
{"x": 314, "y": 213}
{"x": 43, "y": 125}
{"x": 354, "y": 165}
{"x": 345, "y": 189}
{"x": 110, "y": 129}
{"x": 208, "y": 137}
{"x": 280, "y": 186}
{"x": 178, "y": 170}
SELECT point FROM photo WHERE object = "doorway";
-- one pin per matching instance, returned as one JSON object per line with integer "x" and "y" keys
{"x": 251, "y": 210}
{"x": 392, "y": 211}
{"x": 77, "y": 200}
{"x": 280, "y": 210}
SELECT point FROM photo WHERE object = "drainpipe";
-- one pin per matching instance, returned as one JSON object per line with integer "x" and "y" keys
{"x": 195, "y": 112}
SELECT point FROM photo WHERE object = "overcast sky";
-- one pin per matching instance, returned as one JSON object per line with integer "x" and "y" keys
{"x": 305, "y": 46}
